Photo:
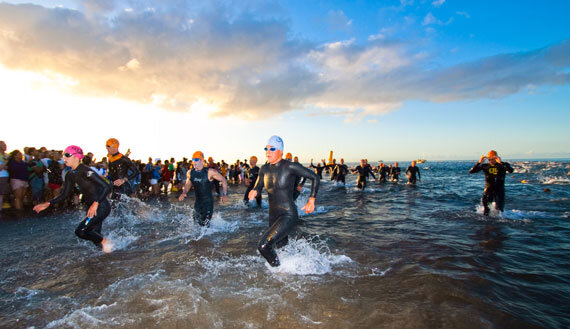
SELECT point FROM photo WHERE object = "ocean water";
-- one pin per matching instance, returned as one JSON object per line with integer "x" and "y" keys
{"x": 392, "y": 256}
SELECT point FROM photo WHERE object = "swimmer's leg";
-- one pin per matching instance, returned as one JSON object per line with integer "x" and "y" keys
{"x": 203, "y": 214}
{"x": 485, "y": 200}
{"x": 92, "y": 230}
{"x": 500, "y": 199}
{"x": 276, "y": 234}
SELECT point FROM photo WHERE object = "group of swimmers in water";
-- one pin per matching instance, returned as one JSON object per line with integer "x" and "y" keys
{"x": 282, "y": 178}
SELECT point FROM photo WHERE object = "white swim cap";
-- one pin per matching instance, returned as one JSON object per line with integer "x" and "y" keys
{"x": 276, "y": 142}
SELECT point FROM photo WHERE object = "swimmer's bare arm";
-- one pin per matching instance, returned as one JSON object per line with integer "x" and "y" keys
{"x": 214, "y": 174}
{"x": 186, "y": 188}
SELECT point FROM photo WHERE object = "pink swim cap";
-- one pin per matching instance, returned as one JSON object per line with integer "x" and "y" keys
{"x": 75, "y": 151}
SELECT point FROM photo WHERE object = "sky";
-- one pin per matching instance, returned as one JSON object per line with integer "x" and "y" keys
{"x": 383, "y": 80}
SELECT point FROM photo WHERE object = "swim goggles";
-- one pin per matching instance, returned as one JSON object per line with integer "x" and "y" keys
{"x": 196, "y": 159}
{"x": 67, "y": 155}
{"x": 272, "y": 149}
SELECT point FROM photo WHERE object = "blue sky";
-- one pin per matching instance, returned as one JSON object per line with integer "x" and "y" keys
{"x": 390, "y": 80}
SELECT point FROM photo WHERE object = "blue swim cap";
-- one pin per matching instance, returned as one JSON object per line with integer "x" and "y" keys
{"x": 276, "y": 142}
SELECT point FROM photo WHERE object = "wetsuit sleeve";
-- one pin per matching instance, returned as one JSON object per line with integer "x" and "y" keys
{"x": 301, "y": 171}
{"x": 371, "y": 173}
{"x": 259, "y": 182}
{"x": 66, "y": 191}
{"x": 105, "y": 187}
{"x": 508, "y": 167}
{"x": 476, "y": 168}
{"x": 133, "y": 170}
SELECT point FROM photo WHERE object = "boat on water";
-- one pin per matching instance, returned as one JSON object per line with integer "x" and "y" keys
{"x": 421, "y": 161}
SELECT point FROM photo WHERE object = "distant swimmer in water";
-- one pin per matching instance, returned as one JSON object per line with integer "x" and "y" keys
{"x": 201, "y": 178}
{"x": 318, "y": 169}
{"x": 495, "y": 171}
{"x": 395, "y": 172}
{"x": 94, "y": 189}
{"x": 411, "y": 173}
{"x": 340, "y": 171}
{"x": 363, "y": 171}
{"x": 251, "y": 175}
{"x": 383, "y": 172}
{"x": 278, "y": 177}
{"x": 121, "y": 170}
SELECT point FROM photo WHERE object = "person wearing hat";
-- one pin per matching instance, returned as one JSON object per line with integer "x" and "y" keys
{"x": 201, "y": 178}
{"x": 121, "y": 170}
{"x": 495, "y": 171}
{"x": 278, "y": 176}
{"x": 94, "y": 189}
{"x": 251, "y": 175}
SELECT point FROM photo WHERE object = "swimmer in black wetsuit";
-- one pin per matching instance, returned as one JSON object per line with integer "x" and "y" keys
{"x": 201, "y": 178}
{"x": 250, "y": 178}
{"x": 411, "y": 173}
{"x": 363, "y": 171}
{"x": 121, "y": 170}
{"x": 395, "y": 172}
{"x": 299, "y": 181}
{"x": 340, "y": 171}
{"x": 278, "y": 178}
{"x": 318, "y": 169}
{"x": 94, "y": 189}
{"x": 495, "y": 172}
{"x": 383, "y": 172}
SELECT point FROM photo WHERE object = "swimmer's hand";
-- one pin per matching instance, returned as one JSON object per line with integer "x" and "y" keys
{"x": 182, "y": 196}
{"x": 482, "y": 158}
{"x": 299, "y": 188}
{"x": 224, "y": 198}
{"x": 310, "y": 206}
{"x": 92, "y": 211}
{"x": 252, "y": 194}
{"x": 498, "y": 159}
{"x": 119, "y": 182}
{"x": 41, "y": 207}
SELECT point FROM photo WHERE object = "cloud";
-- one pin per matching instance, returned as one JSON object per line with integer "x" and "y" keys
{"x": 337, "y": 20}
{"x": 438, "y": 3}
{"x": 246, "y": 62}
{"x": 430, "y": 19}
{"x": 463, "y": 13}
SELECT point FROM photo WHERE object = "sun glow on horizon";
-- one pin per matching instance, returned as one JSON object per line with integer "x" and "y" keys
{"x": 42, "y": 110}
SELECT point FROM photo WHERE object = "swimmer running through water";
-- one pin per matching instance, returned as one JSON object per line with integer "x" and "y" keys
{"x": 201, "y": 177}
{"x": 94, "y": 189}
{"x": 278, "y": 177}
{"x": 495, "y": 172}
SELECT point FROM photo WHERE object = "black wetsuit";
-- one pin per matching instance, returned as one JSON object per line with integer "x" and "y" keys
{"x": 279, "y": 181}
{"x": 412, "y": 171}
{"x": 120, "y": 169}
{"x": 94, "y": 189}
{"x": 340, "y": 171}
{"x": 204, "y": 203}
{"x": 395, "y": 172}
{"x": 494, "y": 183}
{"x": 363, "y": 173}
{"x": 383, "y": 172}
{"x": 318, "y": 170}
{"x": 252, "y": 174}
